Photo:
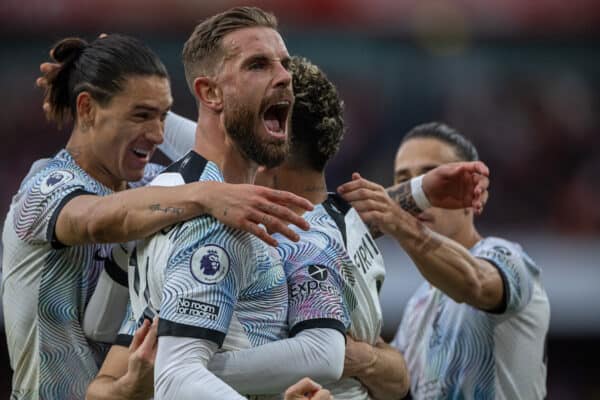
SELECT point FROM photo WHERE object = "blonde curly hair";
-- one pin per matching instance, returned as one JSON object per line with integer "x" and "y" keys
{"x": 317, "y": 126}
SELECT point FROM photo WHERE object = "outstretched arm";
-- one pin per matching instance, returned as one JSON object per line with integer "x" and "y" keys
{"x": 379, "y": 367}
{"x": 269, "y": 369}
{"x": 136, "y": 213}
{"x": 445, "y": 263}
{"x": 450, "y": 186}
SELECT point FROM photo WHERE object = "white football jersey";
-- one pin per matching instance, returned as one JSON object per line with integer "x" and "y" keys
{"x": 206, "y": 280}
{"x": 46, "y": 285}
{"x": 455, "y": 351}
{"x": 364, "y": 281}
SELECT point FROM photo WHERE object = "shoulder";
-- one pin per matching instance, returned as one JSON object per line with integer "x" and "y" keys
{"x": 61, "y": 174}
{"x": 504, "y": 251}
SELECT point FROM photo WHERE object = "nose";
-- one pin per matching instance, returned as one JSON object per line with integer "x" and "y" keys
{"x": 156, "y": 132}
{"x": 283, "y": 77}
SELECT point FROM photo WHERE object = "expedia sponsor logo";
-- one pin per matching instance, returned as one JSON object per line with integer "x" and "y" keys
{"x": 305, "y": 289}
{"x": 197, "y": 309}
{"x": 317, "y": 272}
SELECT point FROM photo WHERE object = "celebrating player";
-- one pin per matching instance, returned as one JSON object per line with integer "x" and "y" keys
{"x": 373, "y": 368}
{"x": 117, "y": 92}
{"x": 212, "y": 284}
{"x": 477, "y": 328}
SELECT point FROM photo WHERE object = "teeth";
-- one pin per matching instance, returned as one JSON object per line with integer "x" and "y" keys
{"x": 141, "y": 152}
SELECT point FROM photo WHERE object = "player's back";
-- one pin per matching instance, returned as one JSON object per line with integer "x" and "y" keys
{"x": 203, "y": 277}
{"x": 337, "y": 229}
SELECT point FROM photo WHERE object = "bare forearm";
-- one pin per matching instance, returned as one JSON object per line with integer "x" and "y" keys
{"x": 387, "y": 376}
{"x": 445, "y": 263}
{"x": 106, "y": 387}
{"x": 135, "y": 214}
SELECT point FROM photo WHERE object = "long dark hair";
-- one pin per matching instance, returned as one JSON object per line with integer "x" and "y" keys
{"x": 100, "y": 68}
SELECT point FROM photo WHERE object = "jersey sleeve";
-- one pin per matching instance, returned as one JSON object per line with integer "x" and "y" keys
{"x": 515, "y": 269}
{"x": 201, "y": 284}
{"x": 42, "y": 200}
{"x": 316, "y": 287}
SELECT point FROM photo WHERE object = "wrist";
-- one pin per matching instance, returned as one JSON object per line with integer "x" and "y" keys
{"x": 203, "y": 192}
{"x": 129, "y": 387}
{"x": 418, "y": 192}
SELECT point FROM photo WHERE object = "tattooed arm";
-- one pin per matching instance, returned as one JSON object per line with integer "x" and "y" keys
{"x": 446, "y": 264}
{"x": 136, "y": 213}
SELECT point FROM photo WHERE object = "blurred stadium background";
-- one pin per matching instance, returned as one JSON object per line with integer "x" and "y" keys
{"x": 520, "y": 78}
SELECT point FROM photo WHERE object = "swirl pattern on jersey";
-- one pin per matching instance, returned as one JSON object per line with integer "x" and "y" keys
{"x": 314, "y": 267}
{"x": 214, "y": 273}
{"x": 450, "y": 348}
{"x": 67, "y": 362}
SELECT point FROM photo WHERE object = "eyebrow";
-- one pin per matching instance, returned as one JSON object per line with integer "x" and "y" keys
{"x": 145, "y": 107}
{"x": 255, "y": 57}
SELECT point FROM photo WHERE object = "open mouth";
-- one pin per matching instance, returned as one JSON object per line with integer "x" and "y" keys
{"x": 275, "y": 118}
{"x": 142, "y": 154}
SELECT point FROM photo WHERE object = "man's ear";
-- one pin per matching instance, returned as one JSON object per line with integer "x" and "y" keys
{"x": 208, "y": 93}
{"x": 86, "y": 110}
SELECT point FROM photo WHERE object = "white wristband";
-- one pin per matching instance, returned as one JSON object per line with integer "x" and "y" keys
{"x": 416, "y": 189}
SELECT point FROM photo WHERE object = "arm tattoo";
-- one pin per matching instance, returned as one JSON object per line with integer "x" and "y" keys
{"x": 166, "y": 210}
{"x": 402, "y": 195}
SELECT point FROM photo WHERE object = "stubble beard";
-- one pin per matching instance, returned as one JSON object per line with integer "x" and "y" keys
{"x": 240, "y": 123}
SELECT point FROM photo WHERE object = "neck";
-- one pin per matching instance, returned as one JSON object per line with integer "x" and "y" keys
{"x": 80, "y": 148}
{"x": 213, "y": 144}
{"x": 303, "y": 182}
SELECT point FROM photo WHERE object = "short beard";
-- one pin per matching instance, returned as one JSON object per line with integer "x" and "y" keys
{"x": 240, "y": 123}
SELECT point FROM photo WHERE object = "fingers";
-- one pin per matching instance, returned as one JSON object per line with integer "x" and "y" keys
{"x": 480, "y": 193}
{"x": 259, "y": 232}
{"x": 150, "y": 341}
{"x": 139, "y": 336}
{"x": 368, "y": 205}
{"x": 481, "y": 168}
{"x": 300, "y": 389}
{"x": 48, "y": 67}
{"x": 482, "y": 182}
{"x": 358, "y": 183}
{"x": 288, "y": 199}
{"x": 41, "y": 82}
{"x": 475, "y": 167}
{"x": 273, "y": 225}
{"x": 283, "y": 213}
{"x": 322, "y": 394}
{"x": 481, "y": 204}
{"x": 365, "y": 194}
